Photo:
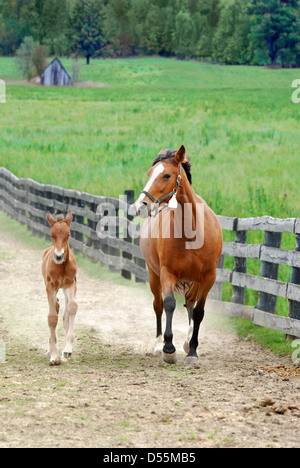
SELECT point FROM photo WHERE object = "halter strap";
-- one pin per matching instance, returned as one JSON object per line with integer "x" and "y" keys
{"x": 170, "y": 194}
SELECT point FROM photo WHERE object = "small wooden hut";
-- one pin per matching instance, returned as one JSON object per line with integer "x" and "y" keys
{"x": 55, "y": 74}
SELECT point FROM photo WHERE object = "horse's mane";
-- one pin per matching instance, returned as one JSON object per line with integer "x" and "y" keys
{"x": 169, "y": 154}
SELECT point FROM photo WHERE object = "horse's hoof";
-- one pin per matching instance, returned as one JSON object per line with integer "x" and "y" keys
{"x": 55, "y": 362}
{"x": 186, "y": 347}
{"x": 191, "y": 361}
{"x": 170, "y": 358}
{"x": 157, "y": 351}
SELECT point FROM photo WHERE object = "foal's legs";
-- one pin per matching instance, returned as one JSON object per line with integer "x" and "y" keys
{"x": 68, "y": 319}
{"x": 52, "y": 323}
{"x": 158, "y": 306}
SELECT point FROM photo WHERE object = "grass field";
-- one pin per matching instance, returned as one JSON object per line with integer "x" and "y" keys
{"x": 239, "y": 125}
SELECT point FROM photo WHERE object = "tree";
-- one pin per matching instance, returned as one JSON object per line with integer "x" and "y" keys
{"x": 206, "y": 22}
{"x": 24, "y": 55}
{"x": 184, "y": 34}
{"x": 275, "y": 28}
{"x": 55, "y": 21}
{"x": 231, "y": 39}
{"x": 88, "y": 24}
{"x": 39, "y": 59}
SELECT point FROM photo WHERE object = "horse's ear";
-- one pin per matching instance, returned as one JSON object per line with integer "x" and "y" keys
{"x": 180, "y": 155}
{"x": 69, "y": 218}
{"x": 50, "y": 219}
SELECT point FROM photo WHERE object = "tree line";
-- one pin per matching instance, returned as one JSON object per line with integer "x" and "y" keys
{"x": 253, "y": 32}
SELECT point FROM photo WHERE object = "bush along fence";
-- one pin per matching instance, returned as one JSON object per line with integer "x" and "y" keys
{"x": 103, "y": 231}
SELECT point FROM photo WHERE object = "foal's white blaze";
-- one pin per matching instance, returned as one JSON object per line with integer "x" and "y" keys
{"x": 59, "y": 253}
{"x": 157, "y": 171}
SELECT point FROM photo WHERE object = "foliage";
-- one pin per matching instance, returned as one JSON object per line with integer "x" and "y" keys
{"x": 31, "y": 58}
{"x": 24, "y": 57}
{"x": 226, "y": 31}
{"x": 39, "y": 59}
{"x": 88, "y": 28}
{"x": 276, "y": 30}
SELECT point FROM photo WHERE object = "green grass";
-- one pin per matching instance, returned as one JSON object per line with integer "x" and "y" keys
{"x": 269, "y": 339}
{"x": 238, "y": 124}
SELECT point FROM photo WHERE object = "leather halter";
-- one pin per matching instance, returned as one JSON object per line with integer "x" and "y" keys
{"x": 170, "y": 194}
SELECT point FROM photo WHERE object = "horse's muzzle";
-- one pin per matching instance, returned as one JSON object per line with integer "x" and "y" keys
{"x": 141, "y": 209}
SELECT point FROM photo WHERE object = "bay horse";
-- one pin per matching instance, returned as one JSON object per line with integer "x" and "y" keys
{"x": 59, "y": 269}
{"x": 175, "y": 264}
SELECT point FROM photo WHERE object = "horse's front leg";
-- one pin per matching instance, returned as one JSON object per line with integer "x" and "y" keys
{"x": 168, "y": 282}
{"x": 69, "y": 319}
{"x": 158, "y": 307}
{"x": 52, "y": 323}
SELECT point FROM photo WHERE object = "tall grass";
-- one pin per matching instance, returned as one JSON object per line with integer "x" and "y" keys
{"x": 238, "y": 124}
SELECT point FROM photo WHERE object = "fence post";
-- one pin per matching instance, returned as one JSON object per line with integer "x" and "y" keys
{"x": 139, "y": 262}
{"x": 216, "y": 293}
{"x": 240, "y": 266}
{"x": 129, "y": 197}
{"x": 267, "y": 302}
{"x": 114, "y": 232}
{"x": 295, "y": 279}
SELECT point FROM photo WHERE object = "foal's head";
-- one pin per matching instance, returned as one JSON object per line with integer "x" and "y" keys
{"x": 164, "y": 179}
{"x": 60, "y": 233}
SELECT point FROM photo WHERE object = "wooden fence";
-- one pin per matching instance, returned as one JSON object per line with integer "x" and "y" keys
{"x": 28, "y": 202}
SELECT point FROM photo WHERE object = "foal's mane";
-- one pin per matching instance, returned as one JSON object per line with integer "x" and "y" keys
{"x": 169, "y": 154}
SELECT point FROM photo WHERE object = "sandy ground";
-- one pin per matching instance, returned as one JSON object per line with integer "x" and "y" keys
{"x": 114, "y": 392}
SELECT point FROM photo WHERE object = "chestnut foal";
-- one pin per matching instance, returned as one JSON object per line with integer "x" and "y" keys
{"x": 59, "y": 270}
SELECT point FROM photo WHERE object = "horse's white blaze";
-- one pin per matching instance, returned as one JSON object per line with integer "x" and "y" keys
{"x": 59, "y": 253}
{"x": 157, "y": 171}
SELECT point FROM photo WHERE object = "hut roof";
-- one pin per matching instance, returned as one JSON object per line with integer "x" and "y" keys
{"x": 49, "y": 75}
{"x": 57, "y": 60}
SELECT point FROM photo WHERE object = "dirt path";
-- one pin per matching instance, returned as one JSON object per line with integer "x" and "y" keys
{"x": 114, "y": 393}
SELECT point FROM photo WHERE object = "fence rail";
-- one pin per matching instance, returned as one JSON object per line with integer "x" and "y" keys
{"x": 28, "y": 201}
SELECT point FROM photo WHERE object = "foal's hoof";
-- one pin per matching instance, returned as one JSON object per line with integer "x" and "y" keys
{"x": 191, "y": 361}
{"x": 170, "y": 358}
{"x": 66, "y": 357}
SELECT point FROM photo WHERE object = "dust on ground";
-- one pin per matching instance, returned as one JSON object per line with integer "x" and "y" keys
{"x": 114, "y": 392}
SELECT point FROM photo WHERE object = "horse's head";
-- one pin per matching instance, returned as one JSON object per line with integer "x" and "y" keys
{"x": 60, "y": 233}
{"x": 164, "y": 180}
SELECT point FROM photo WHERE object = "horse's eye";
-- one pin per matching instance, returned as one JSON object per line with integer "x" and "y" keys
{"x": 167, "y": 176}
